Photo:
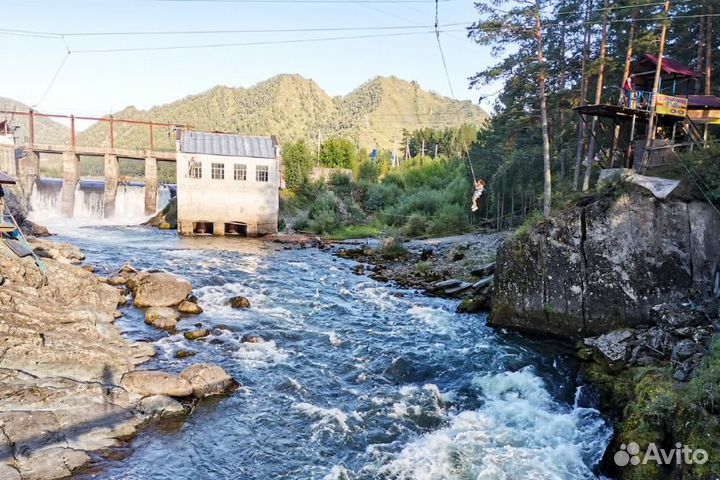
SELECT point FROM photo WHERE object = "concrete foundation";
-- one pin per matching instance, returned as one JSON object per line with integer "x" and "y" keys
{"x": 151, "y": 185}
{"x": 28, "y": 171}
{"x": 71, "y": 176}
{"x": 112, "y": 176}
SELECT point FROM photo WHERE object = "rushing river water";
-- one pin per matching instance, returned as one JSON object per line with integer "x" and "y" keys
{"x": 357, "y": 379}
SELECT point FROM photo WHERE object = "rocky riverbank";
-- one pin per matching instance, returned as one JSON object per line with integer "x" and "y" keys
{"x": 70, "y": 387}
{"x": 453, "y": 267}
{"x": 634, "y": 281}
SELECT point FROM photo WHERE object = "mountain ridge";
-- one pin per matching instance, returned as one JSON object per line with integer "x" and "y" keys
{"x": 293, "y": 107}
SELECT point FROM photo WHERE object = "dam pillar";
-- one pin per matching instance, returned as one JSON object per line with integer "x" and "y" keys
{"x": 151, "y": 185}
{"x": 29, "y": 171}
{"x": 112, "y": 176}
{"x": 71, "y": 176}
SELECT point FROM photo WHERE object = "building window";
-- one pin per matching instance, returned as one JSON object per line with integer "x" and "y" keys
{"x": 194, "y": 169}
{"x": 240, "y": 172}
{"x": 261, "y": 173}
{"x": 218, "y": 171}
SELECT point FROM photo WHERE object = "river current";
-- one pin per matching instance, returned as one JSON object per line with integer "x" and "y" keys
{"x": 356, "y": 380}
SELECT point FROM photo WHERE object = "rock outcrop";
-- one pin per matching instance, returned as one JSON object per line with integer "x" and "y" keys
{"x": 605, "y": 264}
{"x": 68, "y": 384}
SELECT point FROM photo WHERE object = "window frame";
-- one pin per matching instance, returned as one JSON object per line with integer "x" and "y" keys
{"x": 240, "y": 168}
{"x": 195, "y": 169}
{"x": 215, "y": 168}
{"x": 262, "y": 169}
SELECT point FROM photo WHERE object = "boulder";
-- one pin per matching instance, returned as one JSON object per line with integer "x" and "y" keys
{"x": 116, "y": 281}
{"x": 158, "y": 289}
{"x": 239, "y": 302}
{"x": 159, "y": 406}
{"x": 150, "y": 382}
{"x": 208, "y": 380}
{"x": 190, "y": 308}
{"x": 684, "y": 350}
{"x": 162, "y": 317}
{"x": 197, "y": 334}
{"x": 614, "y": 347}
{"x": 675, "y": 315}
{"x": 185, "y": 354}
{"x": 585, "y": 271}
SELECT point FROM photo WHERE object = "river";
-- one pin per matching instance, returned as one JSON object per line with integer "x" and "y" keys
{"x": 356, "y": 380}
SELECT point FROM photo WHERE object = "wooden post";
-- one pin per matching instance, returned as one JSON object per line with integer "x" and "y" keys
{"x": 656, "y": 85}
{"x": 31, "y": 126}
{"x": 112, "y": 133}
{"x": 152, "y": 139}
{"x": 72, "y": 131}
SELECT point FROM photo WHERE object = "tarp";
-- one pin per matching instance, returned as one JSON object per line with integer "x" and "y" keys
{"x": 660, "y": 187}
{"x": 670, "y": 66}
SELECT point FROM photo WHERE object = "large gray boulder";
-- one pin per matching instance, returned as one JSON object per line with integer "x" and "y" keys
{"x": 208, "y": 380}
{"x": 158, "y": 289}
{"x": 602, "y": 266}
{"x": 150, "y": 382}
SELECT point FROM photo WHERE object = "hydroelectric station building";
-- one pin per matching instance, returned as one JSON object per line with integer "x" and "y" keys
{"x": 227, "y": 184}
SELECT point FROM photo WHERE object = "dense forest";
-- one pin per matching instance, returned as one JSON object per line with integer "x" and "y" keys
{"x": 557, "y": 55}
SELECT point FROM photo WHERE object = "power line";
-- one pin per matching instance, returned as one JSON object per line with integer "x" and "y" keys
{"x": 218, "y": 32}
{"x": 370, "y": 2}
{"x": 55, "y": 76}
{"x": 246, "y": 44}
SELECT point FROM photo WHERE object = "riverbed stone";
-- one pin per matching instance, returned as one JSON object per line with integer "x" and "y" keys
{"x": 158, "y": 289}
{"x": 162, "y": 317}
{"x": 239, "y": 302}
{"x": 159, "y": 406}
{"x": 190, "y": 308}
{"x": 207, "y": 379}
{"x": 614, "y": 346}
{"x": 9, "y": 473}
{"x": 250, "y": 338}
{"x": 197, "y": 334}
{"x": 153, "y": 382}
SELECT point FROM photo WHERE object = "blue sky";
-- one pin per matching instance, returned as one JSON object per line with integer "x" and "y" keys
{"x": 98, "y": 83}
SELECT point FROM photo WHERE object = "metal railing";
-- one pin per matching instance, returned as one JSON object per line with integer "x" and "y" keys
{"x": 637, "y": 100}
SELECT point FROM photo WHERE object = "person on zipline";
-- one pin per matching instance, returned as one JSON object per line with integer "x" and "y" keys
{"x": 479, "y": 189}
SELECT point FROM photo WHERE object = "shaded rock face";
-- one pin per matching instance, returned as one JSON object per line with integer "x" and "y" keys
{"x": 603, "y": 266}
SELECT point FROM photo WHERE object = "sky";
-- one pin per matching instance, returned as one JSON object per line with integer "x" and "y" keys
{"x": 38, "y": 71}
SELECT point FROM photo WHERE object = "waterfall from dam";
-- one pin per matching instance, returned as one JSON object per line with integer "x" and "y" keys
{"x": 89, "y": 203}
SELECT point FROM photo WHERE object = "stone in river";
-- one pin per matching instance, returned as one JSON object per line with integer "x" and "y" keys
{"x": 191, "y": 308}
{"x": 162, "y": 317}
{"x": 151, "y": 382}
{"x": 158, "y": 289}
{"x": 197, "y": 334}
{"x": 239, "y": 302}
{"x": 208, "y": 380}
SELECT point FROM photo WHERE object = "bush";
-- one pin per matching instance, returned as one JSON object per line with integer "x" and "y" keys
{"x": 301, "y": 223}
{"x": 416, "y": 225}
{"x": 450, "y": 220}
{"x": 324, "y": 221}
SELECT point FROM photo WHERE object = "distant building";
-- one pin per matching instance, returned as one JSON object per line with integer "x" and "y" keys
{"x": 7, "y": 149}
{"x": 227, "y": 184}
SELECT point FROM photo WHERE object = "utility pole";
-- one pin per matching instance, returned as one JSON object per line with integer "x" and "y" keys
{"x": 423, "y": 149}
{"x": 650, "y": 134}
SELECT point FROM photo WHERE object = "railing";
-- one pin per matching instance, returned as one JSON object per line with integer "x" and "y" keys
{"x": 637, "y": 100}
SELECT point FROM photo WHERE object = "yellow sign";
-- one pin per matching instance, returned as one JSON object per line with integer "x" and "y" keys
{"x": 669, "y": 105}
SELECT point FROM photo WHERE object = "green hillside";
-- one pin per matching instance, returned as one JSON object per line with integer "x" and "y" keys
{"x": 46, "y": 130}
{"x": 293, "y": 108}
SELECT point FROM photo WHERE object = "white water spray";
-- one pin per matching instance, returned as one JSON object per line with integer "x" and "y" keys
{"x": 46, "y": 203}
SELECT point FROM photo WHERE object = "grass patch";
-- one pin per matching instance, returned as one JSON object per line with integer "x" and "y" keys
{"x": 350, "y": 232}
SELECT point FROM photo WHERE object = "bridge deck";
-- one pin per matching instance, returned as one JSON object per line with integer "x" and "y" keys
{"x": 102, "y": 151}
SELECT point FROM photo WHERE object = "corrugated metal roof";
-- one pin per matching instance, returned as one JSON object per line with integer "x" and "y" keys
{"x": 227, "y": 144}
{"x": 7, "y": 179}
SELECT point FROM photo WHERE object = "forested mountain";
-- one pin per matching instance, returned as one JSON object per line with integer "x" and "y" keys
{"x": 295, "y": 108}
{"x": 46, "y": 130}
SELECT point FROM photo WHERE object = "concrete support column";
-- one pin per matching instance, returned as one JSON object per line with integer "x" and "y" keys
{"x": 112, "y": 176}
{"x": 71, "y": 176}
{"x": 151, "y": 185}
{"x": 29, "y": 171}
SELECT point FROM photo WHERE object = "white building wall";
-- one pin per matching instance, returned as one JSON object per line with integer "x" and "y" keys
{"x": 7, "y": 155}
{"x": 218, "y": 201}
